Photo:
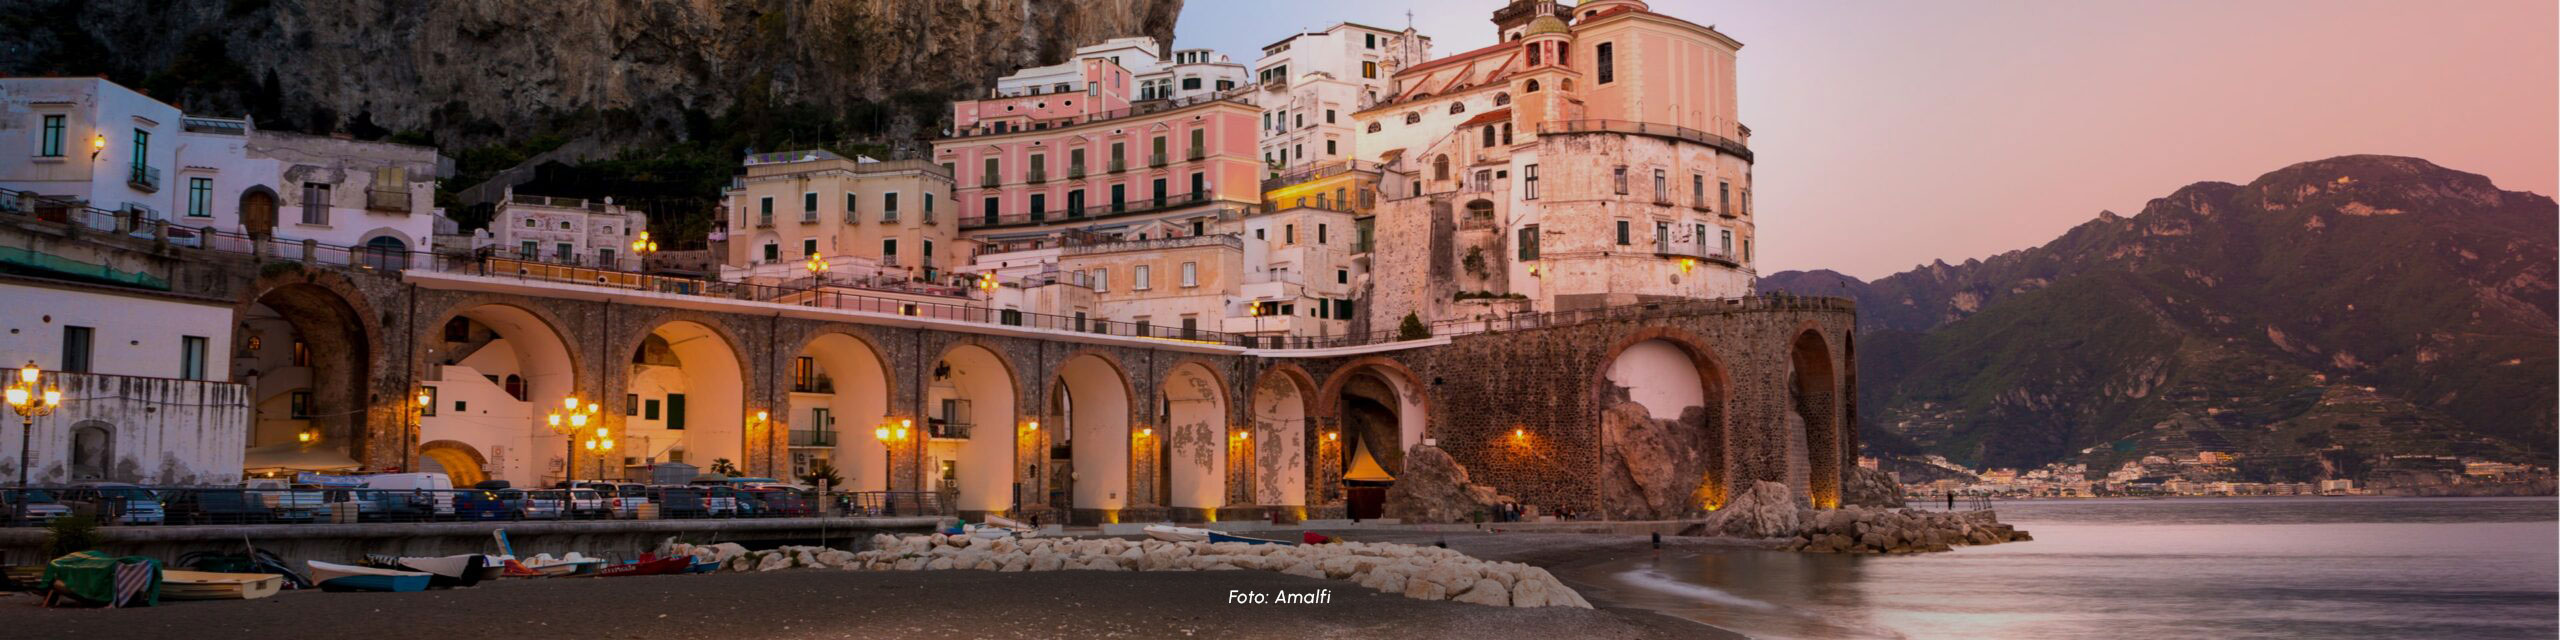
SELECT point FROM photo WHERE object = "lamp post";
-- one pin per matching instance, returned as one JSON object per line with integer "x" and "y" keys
{"x": 889, "y": 437}
{"x": 568, "y": 421}
{"x": 817, "y": 266}
{"x": 30, "y": 401}
{"x": 643, "y": 247}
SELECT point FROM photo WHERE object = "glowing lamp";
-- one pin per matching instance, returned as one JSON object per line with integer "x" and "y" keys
{"x": 555, "y": 420}
{"x": 98, "y": 142}
{"x": 423, "y": 399}
{"x": 52, "y": 396}
{"x": 27, "y": 374}
{"x": 1330, "y": 436}
{"x": 881, "y": 433}
{"x": 570, "y": 403}
{"x": 304, "y": 436}
{"x": 763, "y": 415}
{"x": 1031, "y": 426}
{"x": 17, "y": 396}
{"x": 592, "y": 408}
{"x": 1149, "y": 431}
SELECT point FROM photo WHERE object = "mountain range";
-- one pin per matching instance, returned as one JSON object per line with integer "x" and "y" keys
{"x": 2368, "y": 305}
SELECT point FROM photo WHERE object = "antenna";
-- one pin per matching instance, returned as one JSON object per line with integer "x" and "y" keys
{"x": 1408, "y": 18}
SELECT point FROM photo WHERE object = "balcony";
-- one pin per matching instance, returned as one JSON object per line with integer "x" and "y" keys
{"x": 145, "y": 178}
{"x": 1118, "y": 165}
{"x": 764, "y": 221}
{"x": 975, "y": 221}
{"x": 1696, "y": 251}
{"x": 812, "y": 438}
{"x": 850, "y": 218}
{"x": 1197, "y": 153}
{"x": 892, "y": 216}
{"x": 809, "y": 217}
{"x": 1727, "y": 145}
{"x": 951, "y": 429}
{"x": 1036, "y": 176}
{"x": 1075, "y": 172}
{"x": 395, "y": 200}
{"x": 819, "y": 384}
{"x": 990, "y": 180}
{"x": 1155, "y": 160}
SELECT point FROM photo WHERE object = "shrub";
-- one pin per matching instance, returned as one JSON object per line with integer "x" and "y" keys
{"x": 1412, "y": 328}
{"x": 71, "y": 534}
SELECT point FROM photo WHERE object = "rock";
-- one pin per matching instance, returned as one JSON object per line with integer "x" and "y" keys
{"x": 1015, "y": 562}
{"x": 909, "y": 564}
{"x": 938, "y": 563}
{"x": 1424, "y": 589}
{"x": 1529, "y": 593}
{"x": 773, "y": 561}
{"x": 1486, "y": 591}
{"x": 1387, "y": 579}
{"x": 1308, "y": 569}
{"x": 1047, "y": 561}
{"x": 1870, "y": 488}
{"x": 1433, "y": 488}
{"x": 1766, "y": 510}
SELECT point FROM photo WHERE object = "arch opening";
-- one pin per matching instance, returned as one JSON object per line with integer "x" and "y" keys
{"x": 305, "y": 355}
{"x": 839, "y": 394}
{"x": 1090, "y": 475}
{"x": 968, "y": 430}
{"x": 689, "y": 390}
{"x": 1663, "y": 430}
{"x": 1380, "y": 415}
{"x": 497, "y": 371}
{"x": 1813, "y": 392}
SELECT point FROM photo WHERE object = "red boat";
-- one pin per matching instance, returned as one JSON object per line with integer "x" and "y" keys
{"x": 649, "y": 566}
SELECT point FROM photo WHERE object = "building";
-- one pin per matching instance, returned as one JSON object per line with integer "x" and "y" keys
{"x": 1593, "y": 157}
{"x": 558, "y": 230}
{"x": 94, "y": 142}
{"x": 1187, "y": 73}
{"x": 1030, "y": 168}
{"x": 867, "y": 220}
{"x": 1310, "y": 84}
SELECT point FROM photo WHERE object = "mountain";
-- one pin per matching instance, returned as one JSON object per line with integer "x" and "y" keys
{"x": 2367, "y": 304}
{"x": 475, "y": 72}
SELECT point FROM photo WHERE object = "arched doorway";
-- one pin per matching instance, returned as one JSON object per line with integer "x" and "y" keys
{"x": 458, "y": 461}
{"x": 1379, "y": 412}
{"x": 969, "y": 430}
{"x": 258, "y": 211}
{"x": 1812, "y": 390}
{"x": 386, "y": 253}
{"x": 305, "y": 352}
{"x": 689, "y": 386}
{"x": 839, "y": 394}
{"x": 1089, "y": 403}
{"x": 498, "y": 371}
{"x": 1201, "y": 446}
{"x": 1662, "y": 428}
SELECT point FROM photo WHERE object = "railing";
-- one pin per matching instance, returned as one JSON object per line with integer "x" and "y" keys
{"x": 1728, "y": 145}
{"x": 1237, "y": 95}
{"x": 1155, "y": 244}
{"x": 952, "y": 429}
{"x": 812, "y": 438}
{"x": 1075, "y": 172}
{"x": 24, "y": 206}
{"x": 611, "y": 498}
{"x": 144, "y": 177}
{"x": 764, "y": 221}
{"x": 1326, "y": 170}
{"x": 1197, "y": 153}
{"x": 1036, "y": 176}
{"x": 990, "y": 180}
{"x": 1155, "y": 160}
{"x": 983, "y": 221}
{"x": 386, "y": 199}
{"x": 1119, "y": 165}
{"x": 1698, "y": 250}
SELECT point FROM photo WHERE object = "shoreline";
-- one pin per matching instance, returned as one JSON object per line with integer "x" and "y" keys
{"x": 1569, "y": 555}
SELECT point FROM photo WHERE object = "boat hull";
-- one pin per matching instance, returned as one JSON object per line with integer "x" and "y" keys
{"x": 1177, "y": 534}
{"x": 206, "y": 585}
{"x": 340, "y": 577}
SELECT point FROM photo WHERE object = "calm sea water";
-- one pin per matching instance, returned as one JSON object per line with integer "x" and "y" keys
{"x": 2186, "y": 568}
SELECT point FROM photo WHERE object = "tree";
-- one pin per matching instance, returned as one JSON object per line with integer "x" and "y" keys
{"x": 823, "y": 472}
{"x": 1412, "y": 329}
{"x": 724, "y": 467}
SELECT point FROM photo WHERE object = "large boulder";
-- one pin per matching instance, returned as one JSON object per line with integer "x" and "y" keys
{"x": 1766, "y": 510}
{"x": 1870, "y": 488}
{"x": 1656, "y": 467}
{"x": 1434, "y": 488}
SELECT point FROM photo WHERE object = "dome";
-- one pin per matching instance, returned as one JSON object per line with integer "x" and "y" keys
{"x": 1542, "y": 25}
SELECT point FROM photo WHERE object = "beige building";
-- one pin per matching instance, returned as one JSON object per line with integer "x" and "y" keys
{"x": 576, "y": 231}
{"x": 1173, "y": 287}
{"x": 868, "y": 220}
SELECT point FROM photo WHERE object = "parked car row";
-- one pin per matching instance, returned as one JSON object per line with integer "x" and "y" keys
{"x": 381, "y": 499}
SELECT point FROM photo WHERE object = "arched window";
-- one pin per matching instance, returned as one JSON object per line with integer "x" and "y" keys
{"x": 1568, "y": 84}
{"x": 1534, "y": 48}
{"x": 1480, "y": 209}
{"x": 1457, "y": 108}
{"x": 1488, "y": 135}
{"x": 515, "y": 386}
{"x": 93, "y": 451}
{"x": 1412, "y": 118}
{"x": 1376, "y": 127}
{"x": 1440, "y": 167}
{"x": 1500, "y": 99}
{"x": 1530, "y": 87}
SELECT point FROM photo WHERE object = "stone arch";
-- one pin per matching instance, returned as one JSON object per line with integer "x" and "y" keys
{"x": 338, "y": 333}
{"x": 857, "y": 392}
{"x": 1412, "y": 407}
{"x": 528, "y": 349}
{"x": 978, "y": 442}
{"x": 705, "y": 378}
{"x": 1289, "y": 450}
{"x": 1094, "y": 404}
{"x": 462, "y": 463}
{"x": 1813, "y": 391}
{"x": 1199, "y": 446}
{"x": 1663, "y": 398}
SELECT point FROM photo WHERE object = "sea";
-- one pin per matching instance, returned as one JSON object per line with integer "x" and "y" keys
{"x": 2308, "y": 567}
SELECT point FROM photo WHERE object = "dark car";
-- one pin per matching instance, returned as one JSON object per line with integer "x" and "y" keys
{"x": 680, "y": 502}
{"x": 478, "y": 504}
{"x": 214, "y": 506}
{"x": 780, "y": 502}
{"x": 395, "y": 505}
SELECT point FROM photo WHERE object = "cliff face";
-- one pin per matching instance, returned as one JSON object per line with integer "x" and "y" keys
{"x": 477, "y": 71}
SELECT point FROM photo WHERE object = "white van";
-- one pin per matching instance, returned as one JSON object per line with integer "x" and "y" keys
{"x": 437, "y": 486}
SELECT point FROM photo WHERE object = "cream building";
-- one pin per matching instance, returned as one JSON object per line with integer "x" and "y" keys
{"x": 871, "y": 222}
{"x": 576, "y": 231}
{"x": 1309, "y": 84}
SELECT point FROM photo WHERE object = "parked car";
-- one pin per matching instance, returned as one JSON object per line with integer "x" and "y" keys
{"x": 585, "y": 503}
{"x": 781, "y": 502}
{"x": 680, "y": 502}
{"x": 39, "y": 506}
{"x": 616, "y": 505}
{"x": 722, "y": 502}
{"x": 397, "y": 505}
{"x": 214, "y": 506}
{"x": 531, "y": 505}
{"x": 289, "y": 503}
{"x": 116, "y": 502}
{"x": 477, "y": 504}
{"x": 437, "y": 487}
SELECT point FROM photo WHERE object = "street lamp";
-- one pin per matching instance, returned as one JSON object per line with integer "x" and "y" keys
{"x": 30, "y": 401}
{"x": 569, "y": 421}
{"x": 889, "y": 437}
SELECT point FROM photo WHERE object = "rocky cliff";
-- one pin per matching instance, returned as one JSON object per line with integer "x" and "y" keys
{"x": 2373, "y": 304}
{"x": 474, "y": 72}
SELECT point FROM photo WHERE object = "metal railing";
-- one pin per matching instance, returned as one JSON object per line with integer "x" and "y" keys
{"x": 812, "y": 438}
{"x": 1158, "y": 203}
{"x": 1320, "y": 171}
{"x": 387, "y": 199}
{"x": 1237, "y": 95}
{"x": 1728, "y": 145}
{"x": 608, "y": 499}
{"x": 144, "y": 177}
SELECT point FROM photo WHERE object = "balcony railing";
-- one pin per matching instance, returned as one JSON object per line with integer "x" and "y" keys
{"x": 764, "y": 221}
{"x": 1696, "y": 250}
{"x": 1237, "y": 95}
{"x": 1075, "y": 172}
{"x": 952, "y": 429}
{"x": 1036, "y": 176}
{"x": 812, "y": 438}
{"x": 982, "y": 221}
{"x": 990, "y": 180}
{"x": 387, "y": 200}
{"x": 1197, "y": 153}
{"x": 144, "y": 177}
{"x": 1728, "y": 145}
{"x": 1310, "y": 174}
{"x": 1155, "y": 244}
{"x": 1155, "y": 160}
{"x": 809, "y": 217}
{"x": 1118, "y": 165}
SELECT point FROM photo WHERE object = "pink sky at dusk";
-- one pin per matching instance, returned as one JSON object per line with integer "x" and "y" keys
{"x": 1893, "y": 133}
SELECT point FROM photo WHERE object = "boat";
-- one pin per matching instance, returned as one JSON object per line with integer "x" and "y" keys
{"x": 450, "y": 571}
{"x": 493, "y": 567}
{"x": 180, "y": 584}
{"x": 347, "y": 577}
{"x": 703, "y": 565}
{"x": 1170, "y": 533}
{"x": 569, "y": 565}
{"x": 1221, "y": 536}
{"x": 648, "y": 567}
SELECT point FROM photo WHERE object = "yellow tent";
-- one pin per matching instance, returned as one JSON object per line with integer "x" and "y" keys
{"x": 1365, "y": 468}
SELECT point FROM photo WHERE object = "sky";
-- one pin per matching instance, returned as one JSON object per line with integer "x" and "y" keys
{"x": 1889, "y": 134}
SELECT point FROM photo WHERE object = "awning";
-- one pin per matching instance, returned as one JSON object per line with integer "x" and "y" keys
{"x": 296, "y": 456}
{"x": 1365, "y": 468}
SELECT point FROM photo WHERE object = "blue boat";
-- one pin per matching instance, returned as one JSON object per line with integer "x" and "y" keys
{"x": 1221, "y": 536}
{"x": 340, "y": 577}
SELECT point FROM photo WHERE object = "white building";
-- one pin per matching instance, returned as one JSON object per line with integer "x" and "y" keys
{"x": 564, "y": 230}
{"x": 1311, "y": 83}
{"x": 145, "y": 393}
{"x": 1185, "y": 74}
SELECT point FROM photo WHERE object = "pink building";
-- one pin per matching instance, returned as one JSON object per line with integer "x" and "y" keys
{"x": 1085, "y": 157}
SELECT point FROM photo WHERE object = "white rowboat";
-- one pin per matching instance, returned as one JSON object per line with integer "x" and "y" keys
{"x": 1170, "y": 533}
{"x": 205, "y": 585}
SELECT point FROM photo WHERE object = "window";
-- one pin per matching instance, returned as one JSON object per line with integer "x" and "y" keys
{"x": 1328, "y": 116}
{"x": 889, "y": 251}
{"x": 1724, "y": 195}
{"x": 1289, "y": 234}
{"x": 1533, "y": 53}
{"x": 1102, "y": 280}
{"x": 301, "y": 353}
{"x": 649, "y": 411}
{"x": 1456, "y": 108}
{"x": 1342, "y": 276}
{"x": 604, "y": 257}
{"x": 1488, "y": 136}
{"x": 1506, "y": 132}
{"x": 1329, "y": 149}
{"x": 1412, "y": 118}
{"x": 1119, "y": 198}
{"x": 675, "y": 411}
{"x": 1608, "y": 63}
{"x": 1500, "y": 99}
{"x": 1190, "y": 274}
{"x": 1698, "y": 189}
{"x": 804, "y": 374}
{"x": 772, "y": 252}
{"x": 300, "y": 405}
{"x": 563, "y": 251}
{"x": 992, "y": 204}
{"x": 1623, "y": 237}
{"x": 1662, "y": 237}
{"x": 141, "y": 148}
{"x": 1371, "y": 41}
{"x": 809, "y": 207}
{"x": 1375, "y": 127}
{"x": 851, "y": 204}
{"x": 1529, "y": 87}
{"x": 1440, "y": 168}
{"x": 630, "y": 404}
{"x": 1320, "y": 233}
{"x": 1190, "y": 83}
{"x": 315, "y": 203}
{"x": 528, "y": 250}
{"x": 1728, "y": 243}
{"x": 1140, "y": 279}
{"x": 808, "y": 247}
{"x": 928, "y": 207}
{"x": 1528, "y": 243}
{"x": 889, "y": 207}
{"x": 926, "y": 256}
{"x": 1039, "y": 205}
{"x": 191, "y": 352}
{"x": 200, "y": 197}
{"x": 764, "y": 211}
{"x": 1661, "y": 186}
{"x": 50, "y": 145}
{"x": 992, "y": 176}
{"x": 1529, "y": 182}
{"x": 1618, "y": 179}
